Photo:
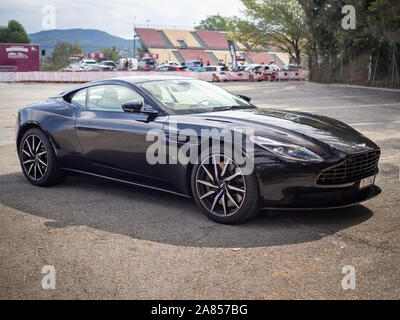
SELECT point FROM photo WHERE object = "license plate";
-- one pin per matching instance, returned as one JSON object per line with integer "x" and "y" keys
{"x": 367, "y": 182}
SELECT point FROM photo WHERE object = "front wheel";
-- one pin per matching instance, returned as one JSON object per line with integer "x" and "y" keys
{"x": 222, "y": 191}
{"x": 38, "y": 161}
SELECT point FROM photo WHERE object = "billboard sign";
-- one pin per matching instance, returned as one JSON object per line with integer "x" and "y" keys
{"x": 147, "y": 55}
{"x": 97, "y": 55}
{"x": 19, "y": 57}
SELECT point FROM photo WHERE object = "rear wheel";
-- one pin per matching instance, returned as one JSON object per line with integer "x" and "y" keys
{"x": 223, "y": 192}
{"x": 38, "y": 161}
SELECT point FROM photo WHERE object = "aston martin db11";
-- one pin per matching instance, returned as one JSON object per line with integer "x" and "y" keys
{"x": 299, "y": 161}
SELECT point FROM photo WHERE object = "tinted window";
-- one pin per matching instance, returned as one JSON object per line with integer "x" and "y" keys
{"x": 79, "y": 98}
{"x": 110, "y": 97}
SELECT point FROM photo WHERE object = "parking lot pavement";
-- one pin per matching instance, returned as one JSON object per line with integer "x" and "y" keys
{"x": 108, "y": 240}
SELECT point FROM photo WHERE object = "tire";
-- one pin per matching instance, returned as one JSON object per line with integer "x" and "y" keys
{"x": 230, "y": 207}
{"x": 38, "y": 161}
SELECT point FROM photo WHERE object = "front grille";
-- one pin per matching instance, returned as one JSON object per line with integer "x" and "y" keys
{"x": 355, "y": 168}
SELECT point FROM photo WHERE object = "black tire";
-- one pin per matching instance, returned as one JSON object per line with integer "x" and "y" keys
{"x": 39, "y": 165}
{"x": 249, "y": 207}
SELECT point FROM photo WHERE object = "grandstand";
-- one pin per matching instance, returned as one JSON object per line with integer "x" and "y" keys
{"x": 208, "y": 46}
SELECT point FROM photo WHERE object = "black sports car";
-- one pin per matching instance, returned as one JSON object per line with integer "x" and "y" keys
{"x": 165, "y": 133}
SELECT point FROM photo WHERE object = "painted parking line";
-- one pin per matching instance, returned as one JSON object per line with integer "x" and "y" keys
{"x": 374, "y": 123}
{"x": 325, "y": 97}
{"x": 332, "y": 107}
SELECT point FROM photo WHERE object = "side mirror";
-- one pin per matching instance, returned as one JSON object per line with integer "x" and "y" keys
{"x": 132, "y": 106}
{"x": 248, "y": 99}
{"x": 136, "y": 106}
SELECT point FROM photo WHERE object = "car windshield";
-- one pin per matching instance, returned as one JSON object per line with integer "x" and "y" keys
{"x": 193, "y": 96}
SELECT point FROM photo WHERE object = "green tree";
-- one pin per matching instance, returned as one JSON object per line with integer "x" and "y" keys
{"x": 13, "y": 33}
{"x": 278, "y": 23}
{"x": 112, "y": 54}
{"x": 76, "y": 48}
{"x": 60, "y": 56}
{"x": 214, "y": 23}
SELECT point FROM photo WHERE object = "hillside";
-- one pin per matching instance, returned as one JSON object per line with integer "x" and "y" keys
{"x": 89, "y": 39}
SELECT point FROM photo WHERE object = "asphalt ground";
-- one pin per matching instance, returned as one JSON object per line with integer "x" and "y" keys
{"x": 108, "y": 240}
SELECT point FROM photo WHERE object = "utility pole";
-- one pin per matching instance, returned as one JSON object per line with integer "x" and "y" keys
{"x": 134, "y": 38}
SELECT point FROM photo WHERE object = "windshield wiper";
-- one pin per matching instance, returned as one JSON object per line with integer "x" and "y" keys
{"x": 232, "y": 108}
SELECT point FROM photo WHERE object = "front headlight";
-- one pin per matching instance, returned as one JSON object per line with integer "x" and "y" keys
{"x": 286, "y": 150}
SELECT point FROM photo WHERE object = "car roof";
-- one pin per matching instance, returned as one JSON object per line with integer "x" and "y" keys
{"x": 116, "y": 80}
{"x": 138, "y": 79}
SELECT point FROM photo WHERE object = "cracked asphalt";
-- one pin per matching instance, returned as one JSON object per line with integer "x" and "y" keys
{"x": 111, "y": 241}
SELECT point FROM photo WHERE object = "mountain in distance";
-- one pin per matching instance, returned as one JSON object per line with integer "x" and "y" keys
{"x": 90, "y": 40}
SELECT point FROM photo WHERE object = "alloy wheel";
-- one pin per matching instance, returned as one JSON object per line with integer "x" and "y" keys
{"x": 34, "y": 157}
{"x": 220, "y": 185}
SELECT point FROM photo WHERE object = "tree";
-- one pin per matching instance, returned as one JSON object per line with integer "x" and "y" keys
{"x": 278, "y": 23}
{"x": 330, "y": 46}
{"x": 112, "y": 54}
{"x": 214, "y": 23}
{"x": 60, "y": 56}
{"x": 13, "y": 33}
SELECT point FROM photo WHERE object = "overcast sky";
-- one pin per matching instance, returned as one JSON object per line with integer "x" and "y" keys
{"x": 114, "y": 16}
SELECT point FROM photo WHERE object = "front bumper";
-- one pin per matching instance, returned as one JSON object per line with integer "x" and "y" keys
{"x": 293, "y": 186}
{"x": 324, "y": 199}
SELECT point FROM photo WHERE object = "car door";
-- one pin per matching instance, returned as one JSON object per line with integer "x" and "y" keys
{"x": 112, "y": 138}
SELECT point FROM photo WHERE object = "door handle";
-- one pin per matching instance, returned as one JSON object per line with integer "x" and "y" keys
{"x": 86, "y": 123}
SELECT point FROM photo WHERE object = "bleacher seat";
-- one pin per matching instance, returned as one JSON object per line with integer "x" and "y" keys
{"x": 213, "y": 39}
{"x": 195, "y": 55}
{"x": 181, "y": 35}
{"x": 150, "y": 37}
{"x": 178, "y": 45}
{"x": 260, "y": 57}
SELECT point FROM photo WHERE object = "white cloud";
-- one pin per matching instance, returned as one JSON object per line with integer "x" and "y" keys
{"x": 116, "y": 16}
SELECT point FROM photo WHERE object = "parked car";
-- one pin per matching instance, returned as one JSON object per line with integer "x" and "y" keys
{"x": 256, "y": 71}
{"x": 290, "y": 160}
{"x": 97, "y": 67}
{"x": 86, "y": 62}
{"x": 171, "y": 68}
{"x": 111, "y": 65}
{"x": 169, "y": 63}
{"x": 192, "y": 65}
{"x": 147, "y": 64}
{"x": 212, "y": 69}
{"x": 292, "y": 67}
{"x": 218, "y": 72}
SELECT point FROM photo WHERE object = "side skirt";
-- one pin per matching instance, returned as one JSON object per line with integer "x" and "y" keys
{"x": 126, "y": 182}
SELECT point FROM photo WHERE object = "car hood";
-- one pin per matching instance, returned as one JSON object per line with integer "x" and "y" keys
{"x": 318, "y": 133}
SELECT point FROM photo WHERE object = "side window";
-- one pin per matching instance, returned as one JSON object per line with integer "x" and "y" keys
{"x": 110, "y": 97}
{"x": 79, "y": 98}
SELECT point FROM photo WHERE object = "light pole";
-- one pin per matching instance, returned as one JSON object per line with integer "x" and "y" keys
{"x": 134, "y": 38}
{"x": 134, "y": 45}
